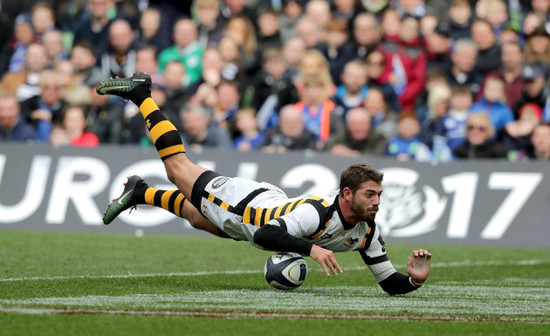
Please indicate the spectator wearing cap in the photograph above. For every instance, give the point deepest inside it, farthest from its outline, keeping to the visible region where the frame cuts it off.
(489, 55)
(534, 88)
(12, 126)
(537, 49)
(366, 34)
(510, 72)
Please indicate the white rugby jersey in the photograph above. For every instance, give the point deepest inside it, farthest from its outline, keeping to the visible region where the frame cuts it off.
(239, 207)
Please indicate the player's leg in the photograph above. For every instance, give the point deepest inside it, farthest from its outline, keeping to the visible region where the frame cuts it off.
(181, 171)
(137, 192)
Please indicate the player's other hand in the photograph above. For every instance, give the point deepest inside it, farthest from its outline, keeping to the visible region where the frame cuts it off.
(418, 265)
(326, 259)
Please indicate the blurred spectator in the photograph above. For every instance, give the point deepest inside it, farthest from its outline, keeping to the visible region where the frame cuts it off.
(149, 30)
(462, 70)
(128, 11)
(366, 34)
(454, 122)
(383, 119)
(377, 76)
(268, 30)
(497, 16)
(53, 41)
(434, 78)
(212, 66)
(293, 52)
(534, 88)
(531, 22)
(493, 102)
(146, 61)
(510, 73)
(250, 138)
(210, 22)
(414, 8)
(186, 49)
(46, 108)
(6, 27)
(460, 19)
(404, 145)
(408, 64)
(319, 12)
(59, 136)
(288, 18)
(119, 60)
(14, 54)
(438, 107)
(480, 142)
(230, 55)
(72, 89)
(510, 34)
(232, 8)
(176, 93)
(517, 135)
(106, 114)
(428, 23)
(291, 133)
(199, 132)
(353, 90)
(43, 18)
(317, 109)
(438, 47)
(229, 98)
(268, 86)
(488, 57)
(308, 31)
(76, 126)
(540, 141)
(345, 11)
(337, 51)
(375, 6)
(13, 127)
(357, 138)
(206, 96)
(313, 63)
(95, 27)
(537, 49)
(84, 60)
(241, 29)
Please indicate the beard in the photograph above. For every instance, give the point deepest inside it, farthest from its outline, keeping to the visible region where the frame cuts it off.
(362, 212)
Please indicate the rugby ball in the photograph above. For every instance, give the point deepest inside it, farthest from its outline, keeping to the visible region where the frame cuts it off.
(285, 270)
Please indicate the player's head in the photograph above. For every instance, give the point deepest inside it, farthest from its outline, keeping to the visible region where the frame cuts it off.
(353, 176)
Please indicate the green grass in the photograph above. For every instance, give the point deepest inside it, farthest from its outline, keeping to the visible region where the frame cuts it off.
(104, 284)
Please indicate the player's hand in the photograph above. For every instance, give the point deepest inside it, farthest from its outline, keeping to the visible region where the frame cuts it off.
(326, 259)
(418, 265)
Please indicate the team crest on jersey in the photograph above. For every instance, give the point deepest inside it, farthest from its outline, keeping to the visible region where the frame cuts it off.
(351, 241)
(407, 209)
(218, 182)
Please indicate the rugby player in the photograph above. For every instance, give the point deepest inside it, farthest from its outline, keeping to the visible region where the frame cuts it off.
(258, 212)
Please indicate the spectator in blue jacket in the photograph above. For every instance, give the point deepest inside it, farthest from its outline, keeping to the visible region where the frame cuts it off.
(493, 102)
(404, 145)
(12, 126)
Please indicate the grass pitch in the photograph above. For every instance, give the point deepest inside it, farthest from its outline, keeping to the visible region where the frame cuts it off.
(105, 284)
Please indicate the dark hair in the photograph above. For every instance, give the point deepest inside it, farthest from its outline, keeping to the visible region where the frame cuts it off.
(357, 173)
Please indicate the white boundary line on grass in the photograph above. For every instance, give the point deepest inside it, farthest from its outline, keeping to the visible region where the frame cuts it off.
(176, 274)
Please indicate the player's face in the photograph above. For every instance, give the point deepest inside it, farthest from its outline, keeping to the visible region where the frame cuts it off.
(366, 200)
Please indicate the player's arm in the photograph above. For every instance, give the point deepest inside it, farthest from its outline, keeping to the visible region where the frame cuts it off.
(392, 281)
(275, 236)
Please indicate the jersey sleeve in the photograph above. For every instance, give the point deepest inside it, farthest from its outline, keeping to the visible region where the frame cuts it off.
(301, 222)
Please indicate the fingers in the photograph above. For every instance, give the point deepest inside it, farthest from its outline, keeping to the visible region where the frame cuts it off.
(422, 253)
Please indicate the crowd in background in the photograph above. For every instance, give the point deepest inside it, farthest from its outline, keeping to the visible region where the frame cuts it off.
(428, 80)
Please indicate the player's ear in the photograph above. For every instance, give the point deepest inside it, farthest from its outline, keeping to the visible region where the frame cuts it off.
(347, 194)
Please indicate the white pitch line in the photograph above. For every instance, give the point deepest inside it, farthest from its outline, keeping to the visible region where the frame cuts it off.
(182, 274)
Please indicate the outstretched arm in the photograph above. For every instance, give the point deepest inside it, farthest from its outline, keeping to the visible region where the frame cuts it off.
(393, 282)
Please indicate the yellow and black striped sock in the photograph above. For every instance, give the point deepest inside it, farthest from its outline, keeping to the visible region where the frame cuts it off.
(163, 133)
(169, 200)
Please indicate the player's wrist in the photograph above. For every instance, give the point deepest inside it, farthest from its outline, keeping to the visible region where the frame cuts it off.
(415, 283)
